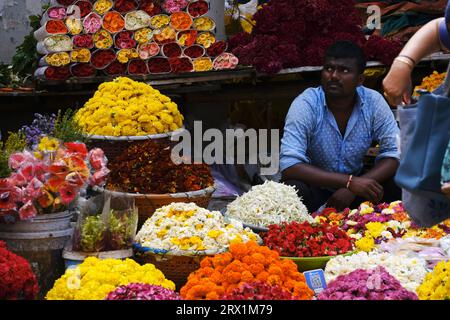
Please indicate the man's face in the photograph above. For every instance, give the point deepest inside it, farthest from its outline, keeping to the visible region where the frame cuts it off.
(340, 77)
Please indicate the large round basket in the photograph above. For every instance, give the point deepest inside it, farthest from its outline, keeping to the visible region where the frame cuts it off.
(115, 146)
(148, 203)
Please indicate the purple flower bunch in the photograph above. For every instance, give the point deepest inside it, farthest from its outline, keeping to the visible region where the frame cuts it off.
(140, 291)
(375, 284)
(41, 125)
(258, 290)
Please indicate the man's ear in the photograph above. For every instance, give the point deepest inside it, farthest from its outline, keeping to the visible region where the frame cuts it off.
(361, 79)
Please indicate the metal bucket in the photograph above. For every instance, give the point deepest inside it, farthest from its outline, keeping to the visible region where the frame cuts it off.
(41, 242)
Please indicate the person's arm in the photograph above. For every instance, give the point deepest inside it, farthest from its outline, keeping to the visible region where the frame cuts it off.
(315, 176)
(397, 83)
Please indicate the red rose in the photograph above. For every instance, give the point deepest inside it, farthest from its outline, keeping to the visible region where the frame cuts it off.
(83, 41)
(123, 6)
(137, 67)
(57, 73)
(102, 58)
(159, 65)
(198, 8)
(180, 65)
(116, 68)
(171, 50)
(124, 40)
(151, 7)
(85, 8)
(83, 70)
(217, 48)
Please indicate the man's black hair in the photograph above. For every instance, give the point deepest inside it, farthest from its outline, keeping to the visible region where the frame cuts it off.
(344, 49)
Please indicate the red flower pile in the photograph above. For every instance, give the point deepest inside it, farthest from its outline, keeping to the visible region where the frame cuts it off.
(217, 48)
(290, 33)
(258, 290)
(83, 70)
(180, 65)
(194, 51)
(171, 50)
(137, 67)
(198, 8)
(102, 58)
(151, 7)
(159, 65)
(124, 40)
(123, 6)
(307, 240)
(83, 41)
(57, 73)
(116, 68)
(17, 280)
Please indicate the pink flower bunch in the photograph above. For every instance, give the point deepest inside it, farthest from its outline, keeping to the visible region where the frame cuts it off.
(46, 183)
(258, 290)
(58, 13)
(375, 284)
(139, 291)
(172, 6)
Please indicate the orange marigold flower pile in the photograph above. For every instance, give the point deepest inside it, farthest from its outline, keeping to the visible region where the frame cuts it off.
(244, 263)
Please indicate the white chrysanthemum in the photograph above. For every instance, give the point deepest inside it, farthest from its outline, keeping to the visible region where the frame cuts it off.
(269, 203)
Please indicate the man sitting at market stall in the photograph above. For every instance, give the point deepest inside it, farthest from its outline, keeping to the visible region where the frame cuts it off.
(329, 130)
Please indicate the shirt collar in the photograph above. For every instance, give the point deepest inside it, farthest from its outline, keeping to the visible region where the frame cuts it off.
(360, 97)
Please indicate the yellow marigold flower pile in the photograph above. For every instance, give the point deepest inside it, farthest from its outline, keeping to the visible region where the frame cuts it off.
(430, 83)
(244, 263)
(95, 278)
(125, 107)
(436, 285)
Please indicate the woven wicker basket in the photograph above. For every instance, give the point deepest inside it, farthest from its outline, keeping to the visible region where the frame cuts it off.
(148, 203)
(115, 146)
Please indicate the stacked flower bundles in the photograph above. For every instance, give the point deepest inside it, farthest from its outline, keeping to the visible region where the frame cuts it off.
(244, 264)
(50, 179)
(273, 45)
(124, 107)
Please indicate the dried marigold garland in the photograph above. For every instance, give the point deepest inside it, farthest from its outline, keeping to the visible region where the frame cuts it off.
(147, 168)
(244, 263)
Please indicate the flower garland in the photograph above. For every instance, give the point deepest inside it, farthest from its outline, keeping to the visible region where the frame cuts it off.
(376, 284)
(436, 284)
(258, 290)
(94, 279)
(184, 228)
(17, 280)
(307, 240)
(244, 263)
(139, 291)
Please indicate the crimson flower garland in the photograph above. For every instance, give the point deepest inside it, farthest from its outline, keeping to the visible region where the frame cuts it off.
(258, 290)
(17, 280)
(307, 240)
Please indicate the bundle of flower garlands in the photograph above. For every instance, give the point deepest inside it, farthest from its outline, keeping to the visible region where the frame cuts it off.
(147, 168)
(373, 224)
(17, 280)
(124, 107)
(184, 228)
(139, 291)
(50, 179)
(269, 203)
(94, 279)
(376, 284)
(258, 290)
(273, 43)
(410, 271)
(436, 285)
(244, 263)
(430, 83)
(307, 240)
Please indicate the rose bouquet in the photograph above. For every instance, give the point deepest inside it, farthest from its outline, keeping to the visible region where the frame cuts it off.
(57, 73)
(180, 20)
(171, 6)
(258, 290)
(180, 65)
(103, 39)
(113, 22)
(159, 65)
(57, 13)
(124, 40)
(57, 59)
(103, 6)
(244, 263)
(116, 68)
(143, 35)
(436, 284)
(148, 50)
(159, 21)
(203, 64)
(152, 7)
(217, 49)
(82, 55)
(102, 58)
(206, 39)
(58, 43)
(125, 55)
(185, 228)
(124, 6)
(65, 2)
(85, 8)
(139, 291)
(204, 24)
(83, 70)
(17, 280)
(198, 8)
(171, 50)
(56, 27)
(225, 61)
(83, 41)
(75, 26)
(136, 20)
(307, 240)
(94, 279)
(137, 67)
(50, 179)
(165, 35)
(376, 284)
(187, 38)
(92, 23)
(194, 51)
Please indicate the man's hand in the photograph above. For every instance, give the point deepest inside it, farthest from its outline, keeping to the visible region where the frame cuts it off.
(366, 188)
(341, 199)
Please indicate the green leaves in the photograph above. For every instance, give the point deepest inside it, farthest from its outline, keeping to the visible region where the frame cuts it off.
(66, 128)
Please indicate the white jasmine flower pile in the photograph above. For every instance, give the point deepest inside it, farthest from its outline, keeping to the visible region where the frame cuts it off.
(410, 271)
(185, 228)
(269, 203)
